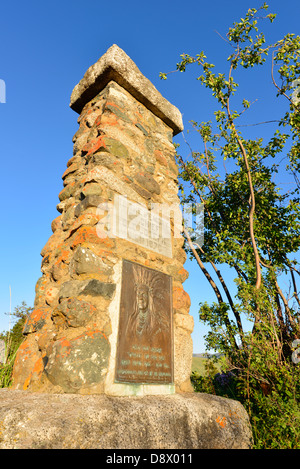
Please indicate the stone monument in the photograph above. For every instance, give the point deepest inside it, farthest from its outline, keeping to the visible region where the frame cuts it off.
(106, 359)
(110, 314)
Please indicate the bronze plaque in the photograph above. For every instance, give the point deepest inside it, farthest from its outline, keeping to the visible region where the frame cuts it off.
(145, 339)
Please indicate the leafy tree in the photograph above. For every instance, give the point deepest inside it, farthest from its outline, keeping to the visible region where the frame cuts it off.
(252, 227)
(13, 339)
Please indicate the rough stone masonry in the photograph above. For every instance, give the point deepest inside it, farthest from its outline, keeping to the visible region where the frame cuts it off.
(123, 153)
(107, 353)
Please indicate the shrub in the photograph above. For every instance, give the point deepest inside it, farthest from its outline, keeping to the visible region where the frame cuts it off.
(13, 340)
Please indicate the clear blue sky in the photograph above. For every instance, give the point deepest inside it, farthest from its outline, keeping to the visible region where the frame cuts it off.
(46, 47)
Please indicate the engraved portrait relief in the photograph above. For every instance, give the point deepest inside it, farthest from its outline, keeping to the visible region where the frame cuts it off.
(149, 314)
(144, 352)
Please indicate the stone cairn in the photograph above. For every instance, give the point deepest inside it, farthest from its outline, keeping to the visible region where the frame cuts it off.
(123, 148)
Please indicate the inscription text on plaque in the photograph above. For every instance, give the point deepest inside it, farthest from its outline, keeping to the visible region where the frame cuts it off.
(132, 221)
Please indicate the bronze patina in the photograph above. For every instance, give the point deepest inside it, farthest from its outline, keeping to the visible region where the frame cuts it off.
(145, 345)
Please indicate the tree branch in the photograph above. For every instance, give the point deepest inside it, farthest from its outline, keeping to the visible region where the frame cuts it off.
(212, 283)
(249, 177)
(274, 82)
(295, 286)
(229, 298)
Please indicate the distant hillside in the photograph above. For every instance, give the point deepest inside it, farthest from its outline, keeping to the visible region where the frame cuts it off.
(199, 359)
(207, 355)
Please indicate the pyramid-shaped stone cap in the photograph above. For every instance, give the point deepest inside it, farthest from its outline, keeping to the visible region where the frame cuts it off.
(116, 65)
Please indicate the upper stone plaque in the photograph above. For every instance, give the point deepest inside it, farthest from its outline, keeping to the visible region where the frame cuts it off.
(116, 65)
